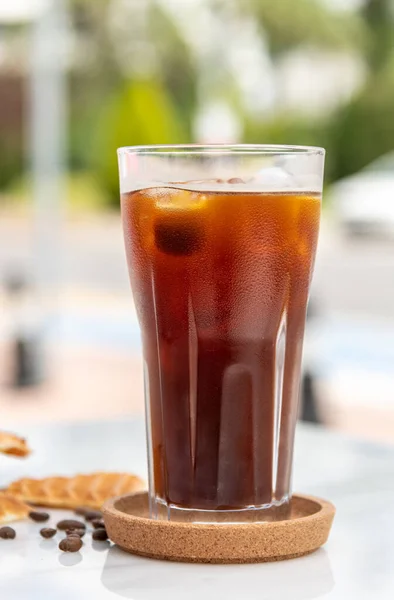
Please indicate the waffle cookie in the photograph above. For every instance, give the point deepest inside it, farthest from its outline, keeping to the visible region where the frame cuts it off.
(12, 444)
(12, 509)
(90, 491)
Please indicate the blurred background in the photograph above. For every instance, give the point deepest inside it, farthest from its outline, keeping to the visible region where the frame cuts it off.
(78, 78)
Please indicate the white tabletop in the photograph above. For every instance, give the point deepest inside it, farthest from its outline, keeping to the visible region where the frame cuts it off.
(356, 563)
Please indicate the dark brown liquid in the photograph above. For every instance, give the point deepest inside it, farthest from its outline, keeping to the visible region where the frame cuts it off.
(220, 282)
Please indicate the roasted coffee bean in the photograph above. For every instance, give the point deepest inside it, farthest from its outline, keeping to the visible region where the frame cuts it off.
(70, 524)
(7, 533)
(98, 523)
(235, 180)
(47, 532)
(38, 516)
(74, 536)
(78, 532)
(90, 515)
(100, 534)
(71, 543)
(82, 510)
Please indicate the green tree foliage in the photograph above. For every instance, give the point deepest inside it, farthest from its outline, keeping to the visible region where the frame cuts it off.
(379, 19)
(176, 66)
(361, 130)
(114, 102)
(364, 129)
(111, 109)
(11, 160)
(289, 23)
(142, 112)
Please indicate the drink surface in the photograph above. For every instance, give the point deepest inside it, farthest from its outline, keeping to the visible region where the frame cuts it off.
(220, 281)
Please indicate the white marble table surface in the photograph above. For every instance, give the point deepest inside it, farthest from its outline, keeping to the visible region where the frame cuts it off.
(357, 562)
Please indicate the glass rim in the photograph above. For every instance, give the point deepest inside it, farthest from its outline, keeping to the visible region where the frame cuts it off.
(215, 149)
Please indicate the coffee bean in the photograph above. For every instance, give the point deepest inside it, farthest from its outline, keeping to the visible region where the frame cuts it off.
(98, 523)
(79, 532)
(47, 532)
(38, 516)
(70, 524)
(71, 543)
(82, 510)
(7, 533)
(93, 514)
(100, 534)
(235, 180)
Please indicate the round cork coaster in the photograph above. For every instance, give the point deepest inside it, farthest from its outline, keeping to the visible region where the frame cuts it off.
(129, 526)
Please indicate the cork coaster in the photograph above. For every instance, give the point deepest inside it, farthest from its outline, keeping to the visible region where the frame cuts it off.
(129, 526)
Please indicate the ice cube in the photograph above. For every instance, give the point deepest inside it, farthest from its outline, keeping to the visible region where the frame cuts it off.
(179, 222)
(178, 237)
(178, 199)
(274, 179)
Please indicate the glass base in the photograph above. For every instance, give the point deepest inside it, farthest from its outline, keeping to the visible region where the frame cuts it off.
(276, 511)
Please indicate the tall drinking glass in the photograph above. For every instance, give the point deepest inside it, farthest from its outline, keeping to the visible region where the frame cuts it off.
(220, 243)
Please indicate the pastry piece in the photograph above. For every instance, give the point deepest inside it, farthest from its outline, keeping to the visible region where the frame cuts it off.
(71, 492)
(12, 444)
(12, 509)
